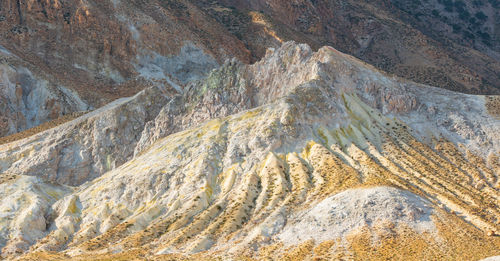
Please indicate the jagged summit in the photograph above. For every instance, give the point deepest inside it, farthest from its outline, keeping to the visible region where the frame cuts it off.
(236, 163)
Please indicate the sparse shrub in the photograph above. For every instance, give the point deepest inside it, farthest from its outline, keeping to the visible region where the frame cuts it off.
(477, 3)
(481, 16)
(464, 15)
(485, 37)
(468, 34)
(448, 5)
(456, 28)
(460, 5)
(495, 3)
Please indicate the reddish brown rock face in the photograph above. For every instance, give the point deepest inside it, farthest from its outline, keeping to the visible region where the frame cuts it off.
(92, 45)
(97, 48)
(100, 48)
(107, 35)
(410, 42)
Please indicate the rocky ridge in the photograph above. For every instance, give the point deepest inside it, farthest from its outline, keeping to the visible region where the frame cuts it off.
(60, 57)
(70, 56)
(231, 164)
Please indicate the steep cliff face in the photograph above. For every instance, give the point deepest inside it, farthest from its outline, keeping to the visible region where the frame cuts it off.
(28, 99)
(94, 51)
(301, 155)
(100, 41)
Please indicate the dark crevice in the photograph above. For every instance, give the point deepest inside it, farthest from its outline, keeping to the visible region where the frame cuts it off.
(21, 20)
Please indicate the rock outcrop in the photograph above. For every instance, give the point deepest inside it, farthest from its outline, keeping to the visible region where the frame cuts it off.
(83, 55)
(86, 147)
(78, 56)
(27, 100)
(439, 43)
(244, 162)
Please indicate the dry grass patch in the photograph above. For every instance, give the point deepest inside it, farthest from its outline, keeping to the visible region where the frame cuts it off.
(493, 105)
(42, 127)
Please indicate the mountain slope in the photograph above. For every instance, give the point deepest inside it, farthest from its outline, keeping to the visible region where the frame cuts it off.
(99, 51)
(400, 37)
(240, 163)
(60, 57)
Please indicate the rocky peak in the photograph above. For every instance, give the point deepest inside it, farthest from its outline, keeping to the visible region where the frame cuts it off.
(234, 163)
(92, 52)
